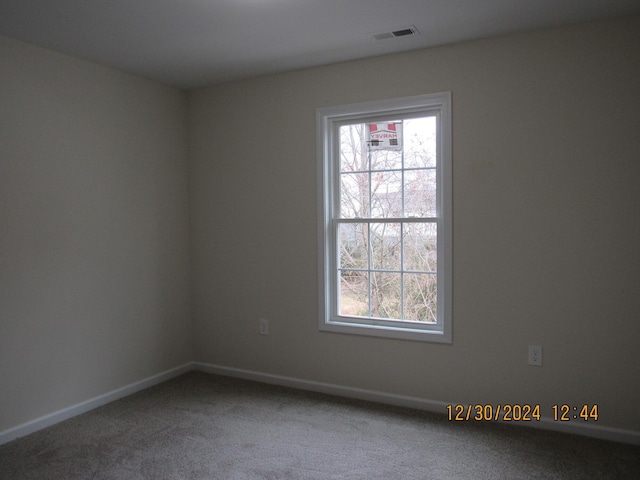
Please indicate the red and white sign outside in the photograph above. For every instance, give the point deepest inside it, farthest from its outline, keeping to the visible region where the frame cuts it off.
(384, 136)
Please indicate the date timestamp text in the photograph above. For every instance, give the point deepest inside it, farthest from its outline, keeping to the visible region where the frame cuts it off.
(519, 412)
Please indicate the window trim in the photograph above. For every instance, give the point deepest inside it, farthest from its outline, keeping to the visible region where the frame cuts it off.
(328, 120)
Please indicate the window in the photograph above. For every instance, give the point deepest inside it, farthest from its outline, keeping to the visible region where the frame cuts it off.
(385, 218)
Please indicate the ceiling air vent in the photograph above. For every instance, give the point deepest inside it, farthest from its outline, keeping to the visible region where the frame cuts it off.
(401, 32)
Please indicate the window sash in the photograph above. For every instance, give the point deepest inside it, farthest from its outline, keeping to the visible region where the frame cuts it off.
(336, 269)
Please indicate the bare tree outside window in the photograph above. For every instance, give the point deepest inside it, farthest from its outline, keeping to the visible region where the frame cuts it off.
(387, 232)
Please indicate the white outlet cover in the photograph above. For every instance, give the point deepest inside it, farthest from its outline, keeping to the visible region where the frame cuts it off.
(264, 326)
(535, 355)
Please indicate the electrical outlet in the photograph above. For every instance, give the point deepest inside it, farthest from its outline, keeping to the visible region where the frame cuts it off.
(535, 355)
(264, 326)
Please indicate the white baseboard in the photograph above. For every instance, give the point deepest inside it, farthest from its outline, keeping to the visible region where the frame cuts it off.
(329, 388)
(82, 407)
(545, 423)
(585, 429)
(590, 430)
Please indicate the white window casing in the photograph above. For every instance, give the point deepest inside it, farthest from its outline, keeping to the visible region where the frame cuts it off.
(332, 179)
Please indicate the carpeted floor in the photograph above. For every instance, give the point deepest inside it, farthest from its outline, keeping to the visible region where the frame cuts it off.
(201, 426)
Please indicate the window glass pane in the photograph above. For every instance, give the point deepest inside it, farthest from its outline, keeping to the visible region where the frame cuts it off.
(353, 293)
(420, 142)
(353, 239)
(353, 151)
(420, 193)
(420, 247)
(385, 295)
(354, 195)
(420, 297)
(386, 194)
(385, 246)
(386, 159)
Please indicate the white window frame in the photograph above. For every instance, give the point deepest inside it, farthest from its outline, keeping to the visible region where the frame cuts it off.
(328, 121)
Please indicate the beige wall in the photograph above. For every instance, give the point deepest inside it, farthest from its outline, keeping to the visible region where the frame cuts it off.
(94, 280)
(546, 156)
(94, 260)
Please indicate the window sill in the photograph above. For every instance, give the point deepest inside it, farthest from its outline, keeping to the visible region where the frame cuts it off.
(402, 332)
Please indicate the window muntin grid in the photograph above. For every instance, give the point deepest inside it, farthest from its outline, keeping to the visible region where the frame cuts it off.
(386, 226)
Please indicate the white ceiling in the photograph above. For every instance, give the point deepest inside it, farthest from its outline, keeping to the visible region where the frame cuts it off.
(193, 43)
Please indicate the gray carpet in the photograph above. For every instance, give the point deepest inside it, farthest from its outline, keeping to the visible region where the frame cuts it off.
(201, 426)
